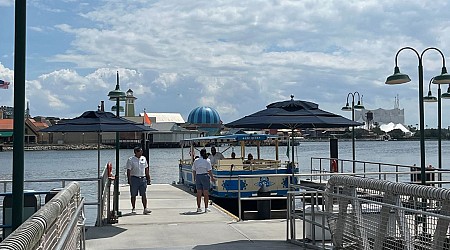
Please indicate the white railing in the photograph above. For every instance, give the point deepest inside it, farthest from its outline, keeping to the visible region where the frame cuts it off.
(374, 214)
(59, 224)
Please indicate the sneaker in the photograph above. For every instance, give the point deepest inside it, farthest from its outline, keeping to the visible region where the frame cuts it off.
(133, 211)
(207, 210)
(147, 211)
(199, 210)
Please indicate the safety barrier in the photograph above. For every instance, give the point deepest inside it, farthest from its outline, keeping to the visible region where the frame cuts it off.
(366, 213)
(59, 224)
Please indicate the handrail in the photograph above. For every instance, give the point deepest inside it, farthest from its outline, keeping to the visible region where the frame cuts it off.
(37, 230)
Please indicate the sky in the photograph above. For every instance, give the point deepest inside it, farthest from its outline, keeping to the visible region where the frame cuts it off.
(234, 56)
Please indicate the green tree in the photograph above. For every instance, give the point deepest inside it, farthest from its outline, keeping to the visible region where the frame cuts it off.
(396, 134)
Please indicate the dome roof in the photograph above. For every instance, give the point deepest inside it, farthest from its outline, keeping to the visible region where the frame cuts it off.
(204, 115)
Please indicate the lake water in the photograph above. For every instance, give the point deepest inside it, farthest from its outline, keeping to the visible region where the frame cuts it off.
(164, 162)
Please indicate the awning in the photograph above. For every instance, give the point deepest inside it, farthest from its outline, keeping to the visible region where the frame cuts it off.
(6, 134)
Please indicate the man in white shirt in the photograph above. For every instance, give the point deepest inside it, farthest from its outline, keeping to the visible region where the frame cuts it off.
(215, 156)
(138, 177)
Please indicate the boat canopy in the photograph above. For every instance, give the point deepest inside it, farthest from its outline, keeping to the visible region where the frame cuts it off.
(230, 138)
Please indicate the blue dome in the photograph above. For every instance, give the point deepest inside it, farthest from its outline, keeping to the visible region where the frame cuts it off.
(204, 115)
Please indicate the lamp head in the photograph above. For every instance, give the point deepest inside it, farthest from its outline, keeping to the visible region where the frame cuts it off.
(443, 78)
(347, 107)
(397, 77)
(114, 108)
(429, 97)
(359, 105)
(446, 95)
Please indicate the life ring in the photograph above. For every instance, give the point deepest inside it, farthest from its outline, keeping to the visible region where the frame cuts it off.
(334, 166)
(109, 168)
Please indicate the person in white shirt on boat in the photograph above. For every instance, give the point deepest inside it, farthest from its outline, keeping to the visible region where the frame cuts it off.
(215, 156)
(202, 172)
(138, 177)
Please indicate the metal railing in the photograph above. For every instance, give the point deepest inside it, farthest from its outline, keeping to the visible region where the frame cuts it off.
(439, 177)
(102, 195)
(256, 198)
(378, 214)
(59, 224)
(305, 203)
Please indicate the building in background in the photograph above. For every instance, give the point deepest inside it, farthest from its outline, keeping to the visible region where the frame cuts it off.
(382, 116)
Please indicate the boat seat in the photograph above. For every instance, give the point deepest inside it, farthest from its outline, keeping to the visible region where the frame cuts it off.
(225, 164)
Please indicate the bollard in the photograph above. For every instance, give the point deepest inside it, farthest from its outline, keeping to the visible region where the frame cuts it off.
(263, 206)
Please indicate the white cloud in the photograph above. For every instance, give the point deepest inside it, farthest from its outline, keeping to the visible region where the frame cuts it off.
(236, 56)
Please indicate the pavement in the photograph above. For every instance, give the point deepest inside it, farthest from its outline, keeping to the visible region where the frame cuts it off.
(175, 224)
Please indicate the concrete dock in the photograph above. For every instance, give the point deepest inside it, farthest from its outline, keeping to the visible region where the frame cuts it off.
(175, 224)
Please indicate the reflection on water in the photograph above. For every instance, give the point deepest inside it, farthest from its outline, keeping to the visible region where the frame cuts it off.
(164, 162)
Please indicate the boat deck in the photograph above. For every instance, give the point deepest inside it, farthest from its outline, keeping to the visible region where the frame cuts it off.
(175, 224)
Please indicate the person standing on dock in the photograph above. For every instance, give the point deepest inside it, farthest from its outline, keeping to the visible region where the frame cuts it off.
(200, 170)
(138, 177)
(215, 156)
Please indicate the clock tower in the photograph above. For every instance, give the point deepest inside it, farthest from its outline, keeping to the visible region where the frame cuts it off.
(129, 104)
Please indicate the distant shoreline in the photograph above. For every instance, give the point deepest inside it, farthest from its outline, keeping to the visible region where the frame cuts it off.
(58, 147)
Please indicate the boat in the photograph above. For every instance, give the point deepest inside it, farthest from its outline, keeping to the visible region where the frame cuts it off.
(271, 174)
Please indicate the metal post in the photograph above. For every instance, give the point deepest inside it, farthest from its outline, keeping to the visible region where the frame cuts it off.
(353, 133)
(116, 177)
(422, 125)
(19, 112)
(439, 128)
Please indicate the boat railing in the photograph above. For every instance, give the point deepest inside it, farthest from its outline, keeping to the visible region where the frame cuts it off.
(59, 224)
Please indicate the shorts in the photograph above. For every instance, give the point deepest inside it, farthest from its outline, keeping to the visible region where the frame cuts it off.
(202, 182)
(138, 185)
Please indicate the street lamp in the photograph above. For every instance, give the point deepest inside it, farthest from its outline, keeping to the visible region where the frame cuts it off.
(116, 95)
(352, 108)
(399, 78)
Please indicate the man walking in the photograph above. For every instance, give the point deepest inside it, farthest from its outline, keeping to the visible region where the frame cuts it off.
(138, 177)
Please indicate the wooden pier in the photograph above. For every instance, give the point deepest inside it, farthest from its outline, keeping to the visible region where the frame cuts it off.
(175, 224)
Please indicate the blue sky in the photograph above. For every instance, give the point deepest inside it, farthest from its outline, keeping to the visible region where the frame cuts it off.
(235, 56)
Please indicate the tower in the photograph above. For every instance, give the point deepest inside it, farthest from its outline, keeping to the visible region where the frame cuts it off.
(129, 104)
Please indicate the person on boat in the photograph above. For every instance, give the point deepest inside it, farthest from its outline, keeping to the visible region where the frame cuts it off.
(202, 172)
(215, 156)
(138, 177)
(233, 155)
(249, 159)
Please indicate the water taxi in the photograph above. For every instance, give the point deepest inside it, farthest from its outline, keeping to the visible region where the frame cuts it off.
(252, 173)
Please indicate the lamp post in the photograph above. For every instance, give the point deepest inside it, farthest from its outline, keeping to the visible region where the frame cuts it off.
(430, 98)
(116, 95)
(399, 78)
(352, 108)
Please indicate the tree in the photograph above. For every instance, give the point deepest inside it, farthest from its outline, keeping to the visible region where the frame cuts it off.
(396, 134)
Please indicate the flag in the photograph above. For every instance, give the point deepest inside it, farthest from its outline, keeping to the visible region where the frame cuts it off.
(147, 119)
(4, 84)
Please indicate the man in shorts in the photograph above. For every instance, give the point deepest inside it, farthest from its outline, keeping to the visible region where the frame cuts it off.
(138, 177)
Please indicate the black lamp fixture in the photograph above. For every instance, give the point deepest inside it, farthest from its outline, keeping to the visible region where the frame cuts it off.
(430, 97)
(352, 108)
(443, 78)
(117, 95)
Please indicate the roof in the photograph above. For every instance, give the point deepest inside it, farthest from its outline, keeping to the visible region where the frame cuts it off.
(391, 126)
(231, 138)
(6, 124)
(165, 117)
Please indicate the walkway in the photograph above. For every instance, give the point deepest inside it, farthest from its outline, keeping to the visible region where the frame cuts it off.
(174, 224)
